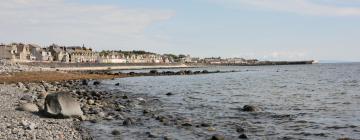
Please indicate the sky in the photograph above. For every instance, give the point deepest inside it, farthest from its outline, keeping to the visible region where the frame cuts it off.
(262, 29)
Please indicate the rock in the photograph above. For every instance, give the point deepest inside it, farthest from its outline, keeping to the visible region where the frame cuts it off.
(186, 124)
(28, 125)
(21, 85)
(211, 129)
(90, 102)
(27, 98)
(128, 122)
(97, 83)
(153, 72)
(115, 132)
(42, 95)
(63, 105)
(205, 71)
(240, 129)
(205, 125)
(150, 135)
(85, 82)
(243, 136)
(102, 114)
(29, 107)
(250, 108)
(218, 137)
(117, 84)
(167, 138)
(169, 94)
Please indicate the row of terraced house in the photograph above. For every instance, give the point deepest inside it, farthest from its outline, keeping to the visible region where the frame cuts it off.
(20, 52)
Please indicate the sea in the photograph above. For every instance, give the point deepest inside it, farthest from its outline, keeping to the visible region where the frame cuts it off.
(318, 101)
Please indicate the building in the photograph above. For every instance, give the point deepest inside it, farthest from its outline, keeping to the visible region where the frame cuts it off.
(40, 54)
(8, 52)
(82, 54)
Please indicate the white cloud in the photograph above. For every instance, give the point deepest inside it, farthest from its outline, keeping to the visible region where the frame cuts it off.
(303, 7)
(60, 21)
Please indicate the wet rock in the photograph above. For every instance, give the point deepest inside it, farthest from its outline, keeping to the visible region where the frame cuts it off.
(97, 83)
(211, 129)
(205, 71)
(167, 138)
(85, 82)
(62, 105)
(125, 97)
(128, 122)
(115, 132)
(93, 121)
(29, 107)
(169, 94)
(243, 136)
(186, 124)
(117, 84)
(250, 108)
(239, 129)
(205, 125)
(102, 114)
(218, 137)
(153, 72)
(151, 135)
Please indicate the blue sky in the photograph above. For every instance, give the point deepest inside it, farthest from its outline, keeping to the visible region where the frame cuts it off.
(268, 30)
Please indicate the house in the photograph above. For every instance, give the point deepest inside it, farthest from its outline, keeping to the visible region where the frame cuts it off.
(23, 52)
(112, 57)
(8, 52)
(40, 54)
(58, 53)
(82, 54)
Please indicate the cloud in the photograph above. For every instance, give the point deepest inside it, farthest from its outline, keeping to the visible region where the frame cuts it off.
(302, 7)
(44, 21)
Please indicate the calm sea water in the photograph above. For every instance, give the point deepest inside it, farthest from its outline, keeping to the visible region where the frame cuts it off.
(320, 101)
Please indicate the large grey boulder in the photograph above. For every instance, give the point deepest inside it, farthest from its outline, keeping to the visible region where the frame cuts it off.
(62, 105)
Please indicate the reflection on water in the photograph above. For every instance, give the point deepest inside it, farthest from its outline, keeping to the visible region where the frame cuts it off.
(300, 102)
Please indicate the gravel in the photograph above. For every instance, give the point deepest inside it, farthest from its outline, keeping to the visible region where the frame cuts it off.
(15, 124)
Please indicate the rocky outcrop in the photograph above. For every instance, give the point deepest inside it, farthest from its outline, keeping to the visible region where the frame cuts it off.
(62, 105)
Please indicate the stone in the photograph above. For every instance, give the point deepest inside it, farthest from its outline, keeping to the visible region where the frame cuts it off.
(29, 107)
(101, 114)
(97, 83)
(250, 108)
(85, 82)
(42, 95)
(21, 85)
(117, 84)
(90, 102)
(128, 122)
(243, 136)
(62, 104)
(27, 98)
(115, 132)
(211, 129)
(218, 137)
(169, 94)
(240, 129)
(153, 72)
